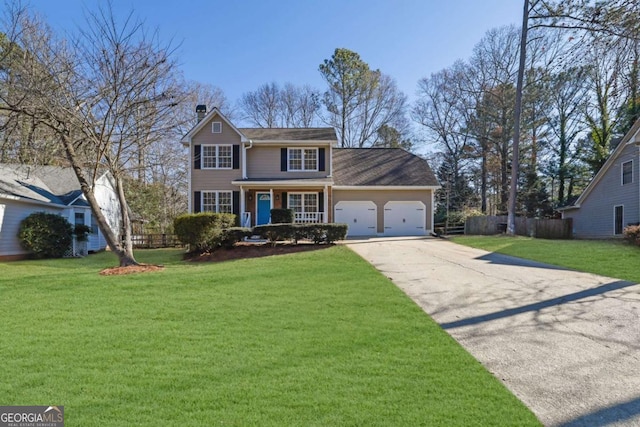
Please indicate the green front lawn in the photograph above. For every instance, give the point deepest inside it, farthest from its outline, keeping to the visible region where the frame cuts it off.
(314, 338)
(605, 257)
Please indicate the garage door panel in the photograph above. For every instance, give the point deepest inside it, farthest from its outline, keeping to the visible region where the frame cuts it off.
(404, 218)
(360, 216)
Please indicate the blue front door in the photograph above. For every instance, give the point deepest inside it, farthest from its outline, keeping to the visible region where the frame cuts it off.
(264, 208)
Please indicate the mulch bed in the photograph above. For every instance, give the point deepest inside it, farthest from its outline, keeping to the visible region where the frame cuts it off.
(142, 268)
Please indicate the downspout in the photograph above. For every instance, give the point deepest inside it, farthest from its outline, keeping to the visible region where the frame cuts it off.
(244, 158)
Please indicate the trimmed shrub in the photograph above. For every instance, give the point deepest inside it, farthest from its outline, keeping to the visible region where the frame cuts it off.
(282, 216)
(317, 233)
(275, 232)
(233, 235)
(631, 234)
(336, 232)
(45, 235)
(203, 232)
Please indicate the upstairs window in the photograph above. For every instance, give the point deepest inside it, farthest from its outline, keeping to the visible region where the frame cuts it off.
(302, 159)
(627, 172)
(217, 157)
(216, 127)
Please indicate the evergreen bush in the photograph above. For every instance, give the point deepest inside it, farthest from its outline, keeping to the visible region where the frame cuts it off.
(45, 235)
(203, 232)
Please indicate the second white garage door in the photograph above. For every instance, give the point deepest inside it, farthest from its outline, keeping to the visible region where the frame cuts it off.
(404, 218)
(360, 216)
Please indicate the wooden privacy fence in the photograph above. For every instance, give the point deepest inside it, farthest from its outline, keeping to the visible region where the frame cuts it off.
(150, 241)
(540, 228)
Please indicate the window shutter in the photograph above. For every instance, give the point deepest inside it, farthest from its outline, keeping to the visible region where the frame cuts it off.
(283, 159)
(196, 202)
(235, 207)
(197, 149)
(284, 199)
(321, 201)
(321, 167)
(236, 156)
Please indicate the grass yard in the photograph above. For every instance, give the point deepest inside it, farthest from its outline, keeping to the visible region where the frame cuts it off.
(605, 257)
(310, 339)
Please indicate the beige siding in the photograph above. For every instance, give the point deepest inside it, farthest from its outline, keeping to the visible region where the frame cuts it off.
(264, 162)
(215, 179)
(381, 197)
(205, 136)
(211, 179)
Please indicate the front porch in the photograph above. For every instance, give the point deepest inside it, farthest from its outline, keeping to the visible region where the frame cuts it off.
(309, 204)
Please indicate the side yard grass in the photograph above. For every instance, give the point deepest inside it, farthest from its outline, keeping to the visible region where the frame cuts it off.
(310, 339)
(610, 258)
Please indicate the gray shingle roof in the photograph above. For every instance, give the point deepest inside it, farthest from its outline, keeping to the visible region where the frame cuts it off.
(380, 167)
(52, 184)
(290, 134)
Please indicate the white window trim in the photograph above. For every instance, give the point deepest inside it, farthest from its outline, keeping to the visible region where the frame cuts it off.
(213, 127)
(302, 149)
(622, 172)
(217, 148)
(217, 204)
(302, 193)
(614, 220)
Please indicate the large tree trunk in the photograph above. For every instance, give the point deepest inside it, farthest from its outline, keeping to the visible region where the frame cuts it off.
(125, 257)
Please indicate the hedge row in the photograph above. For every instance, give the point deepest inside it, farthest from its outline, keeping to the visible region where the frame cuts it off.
(317, 233)
(205, 232)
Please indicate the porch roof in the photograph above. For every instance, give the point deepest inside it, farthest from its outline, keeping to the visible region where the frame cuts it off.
(283, 183)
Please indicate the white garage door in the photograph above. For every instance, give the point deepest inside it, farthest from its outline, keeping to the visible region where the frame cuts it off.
(404, 218)
(360, 216)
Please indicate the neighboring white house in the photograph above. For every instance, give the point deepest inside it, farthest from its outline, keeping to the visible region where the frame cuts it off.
(27, 189)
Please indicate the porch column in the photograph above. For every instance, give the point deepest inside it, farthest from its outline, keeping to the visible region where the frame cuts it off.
(271, 198)
(242, 206)
(327, 208)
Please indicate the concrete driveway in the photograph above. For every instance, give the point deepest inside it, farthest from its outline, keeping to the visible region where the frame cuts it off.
(566, 343)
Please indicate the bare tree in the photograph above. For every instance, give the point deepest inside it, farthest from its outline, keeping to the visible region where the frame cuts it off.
(92, 91)
(262, 107)
(272, 106)
(441, 111)
(299, 106)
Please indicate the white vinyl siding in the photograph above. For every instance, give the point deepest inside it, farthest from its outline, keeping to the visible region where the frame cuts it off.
(217, 201)
(217, 156)
(302, 159)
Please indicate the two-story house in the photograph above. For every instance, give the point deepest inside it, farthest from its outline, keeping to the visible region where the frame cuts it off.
(249, 171)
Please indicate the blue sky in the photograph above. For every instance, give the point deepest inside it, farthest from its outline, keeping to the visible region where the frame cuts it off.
(239, 45)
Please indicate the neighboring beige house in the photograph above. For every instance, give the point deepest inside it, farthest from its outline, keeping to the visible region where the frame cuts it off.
(249, 171)
(27, 189)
